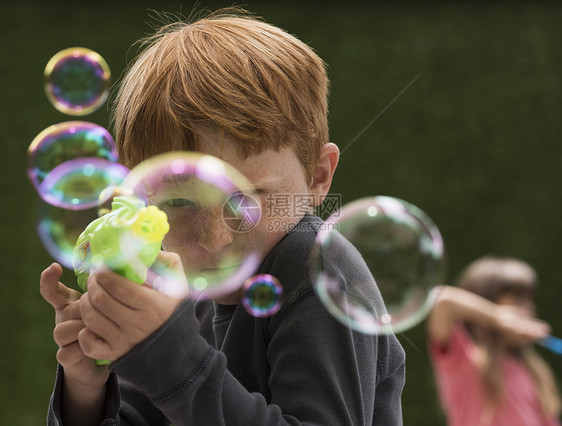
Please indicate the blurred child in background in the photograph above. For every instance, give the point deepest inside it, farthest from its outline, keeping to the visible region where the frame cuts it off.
(481, 335)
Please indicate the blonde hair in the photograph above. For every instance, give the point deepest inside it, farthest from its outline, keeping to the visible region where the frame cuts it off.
(491, 277)
(250, 79)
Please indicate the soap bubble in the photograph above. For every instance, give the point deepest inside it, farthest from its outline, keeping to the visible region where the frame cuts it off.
(402, 248)
(262, 295)
(77, 81)
(77, 184)
(65, 141)
(107, 195)
(212, 211)
(59, 228)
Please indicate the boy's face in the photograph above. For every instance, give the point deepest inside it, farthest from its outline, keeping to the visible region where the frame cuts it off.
(283, 192)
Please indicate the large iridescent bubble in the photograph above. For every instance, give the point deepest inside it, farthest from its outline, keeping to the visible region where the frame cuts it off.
(402, 248)
(65, 141)
(77, 81)
(212, 211)
(70, 163)
(59, 229)
(77, 184)
(107, 195)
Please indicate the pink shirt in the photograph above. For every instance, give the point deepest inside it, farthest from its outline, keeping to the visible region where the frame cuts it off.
(462, 394)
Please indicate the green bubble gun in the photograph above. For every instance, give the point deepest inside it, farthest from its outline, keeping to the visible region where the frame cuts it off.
(127, 240)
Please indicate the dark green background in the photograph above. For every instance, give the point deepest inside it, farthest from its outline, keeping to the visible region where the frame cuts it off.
(474, 142)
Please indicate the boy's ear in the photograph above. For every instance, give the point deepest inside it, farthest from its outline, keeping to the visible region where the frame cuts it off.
(324, 171)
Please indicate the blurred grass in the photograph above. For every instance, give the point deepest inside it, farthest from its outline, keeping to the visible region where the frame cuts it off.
(474, 141)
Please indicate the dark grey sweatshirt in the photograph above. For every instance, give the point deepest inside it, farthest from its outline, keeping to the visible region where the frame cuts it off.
(214, 365)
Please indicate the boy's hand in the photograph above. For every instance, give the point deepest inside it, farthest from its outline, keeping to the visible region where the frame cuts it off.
(78, 368)
(119, 314)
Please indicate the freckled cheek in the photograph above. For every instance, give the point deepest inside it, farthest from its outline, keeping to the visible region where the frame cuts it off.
(181, 243)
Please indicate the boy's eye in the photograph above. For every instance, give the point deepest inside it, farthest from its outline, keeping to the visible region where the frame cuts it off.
(178, 202)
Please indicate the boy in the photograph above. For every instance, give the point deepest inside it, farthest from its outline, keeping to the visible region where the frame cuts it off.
(256, 97)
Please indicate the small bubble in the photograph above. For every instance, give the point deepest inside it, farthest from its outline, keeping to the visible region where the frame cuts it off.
(77, 81)
(262, 295)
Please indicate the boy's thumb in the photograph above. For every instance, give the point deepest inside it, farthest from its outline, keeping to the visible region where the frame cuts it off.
(55, 292)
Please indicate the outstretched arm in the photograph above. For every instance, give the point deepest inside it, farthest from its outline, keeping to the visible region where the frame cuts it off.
(454, 304)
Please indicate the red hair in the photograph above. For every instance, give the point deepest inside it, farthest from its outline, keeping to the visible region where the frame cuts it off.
(250, 79)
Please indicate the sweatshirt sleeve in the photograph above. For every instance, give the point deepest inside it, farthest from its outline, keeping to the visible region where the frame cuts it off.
(318, 370)
(188, 381)
(112, 398)
(326, 373)
(125, 404)
(146, 386)
(313, 378)
(323, 371)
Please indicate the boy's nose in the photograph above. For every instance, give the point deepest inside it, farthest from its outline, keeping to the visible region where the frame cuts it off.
(215, 234)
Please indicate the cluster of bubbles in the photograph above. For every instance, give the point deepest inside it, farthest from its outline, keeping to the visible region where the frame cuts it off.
(402, 248)
(70, 163)
(74, 167)
(212, 211)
